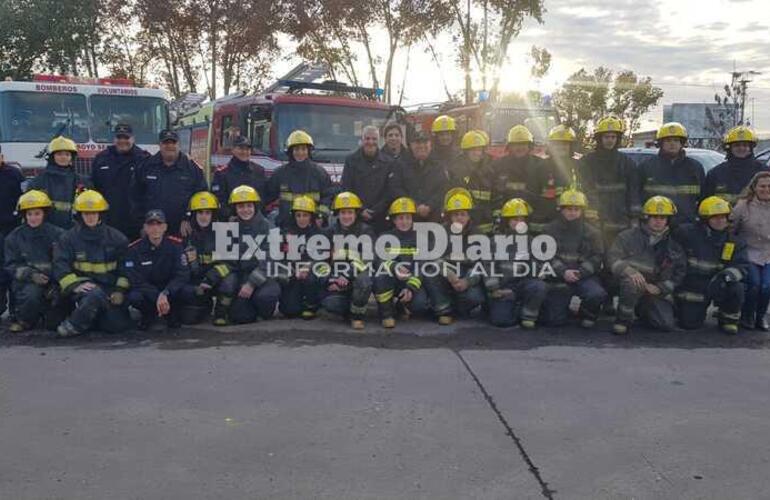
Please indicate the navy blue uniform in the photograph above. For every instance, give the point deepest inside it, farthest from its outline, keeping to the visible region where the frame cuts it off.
(10, 190)
(730, 177)
(111, 173)
(299, 178)
(62, 184)
(168, 188)
(236, 173)
(680, 179)
(426, 182)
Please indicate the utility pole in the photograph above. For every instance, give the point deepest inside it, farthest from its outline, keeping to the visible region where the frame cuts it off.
(743, 79)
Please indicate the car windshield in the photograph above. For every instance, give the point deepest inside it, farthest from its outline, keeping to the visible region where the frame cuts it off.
(146, 115)
(336, 130)
(38, 117)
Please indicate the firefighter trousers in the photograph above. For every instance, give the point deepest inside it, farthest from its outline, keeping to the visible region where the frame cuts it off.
(446, 301)
(525, 303)
(93, 310)
(352, 302)
(556, 307)
(386, 291)
(655, 311)
(261, 304)
(692, 305)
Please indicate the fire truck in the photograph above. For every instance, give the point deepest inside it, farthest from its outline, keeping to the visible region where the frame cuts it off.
(334, 114)
(85, 110)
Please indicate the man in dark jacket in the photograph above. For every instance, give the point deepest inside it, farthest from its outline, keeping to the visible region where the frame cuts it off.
(444, 140)
(111, 173)
(166, 181)
(512, 171)
(730, 177)
(239, 171)
(11, 179)
(366, 174)
(673, 174)
(473, 171)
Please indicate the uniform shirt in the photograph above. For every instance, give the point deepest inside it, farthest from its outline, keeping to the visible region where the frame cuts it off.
(236, 173)
(62, 184)
(158, 269)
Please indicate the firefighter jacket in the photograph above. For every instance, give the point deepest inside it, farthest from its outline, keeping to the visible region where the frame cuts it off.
(94, 254)
(579, 247)
(547, 182)
(611, 183)
(299, 178)
(479, 179)
(250, 268)
(29, 250)
(657, 257)
(236, 173)
(403, 256)
(199, 248)
(680, 179)
(62, 184)
(730, 177)
(424, 181)
(157, 269)
(111, 173)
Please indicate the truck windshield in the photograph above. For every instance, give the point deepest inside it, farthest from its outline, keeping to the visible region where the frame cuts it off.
(146, 115)
(336, 130)
(38, 117)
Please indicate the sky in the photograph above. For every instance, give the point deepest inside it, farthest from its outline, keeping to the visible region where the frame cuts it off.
(688, 47)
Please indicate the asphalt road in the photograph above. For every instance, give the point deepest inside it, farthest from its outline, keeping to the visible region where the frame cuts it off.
(291, 409)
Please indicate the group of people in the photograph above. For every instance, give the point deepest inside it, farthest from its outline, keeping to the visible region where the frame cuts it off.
(661, 237)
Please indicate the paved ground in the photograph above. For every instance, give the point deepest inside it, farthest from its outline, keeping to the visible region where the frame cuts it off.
(291, 409)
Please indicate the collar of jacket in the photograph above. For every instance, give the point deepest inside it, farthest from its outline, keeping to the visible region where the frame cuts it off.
(91, 233)
(55, 169)
(236, 163)
(673, 160)
(655, 238)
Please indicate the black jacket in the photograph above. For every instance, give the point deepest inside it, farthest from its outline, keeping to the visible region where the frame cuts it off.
(111, 173)
(62, 184)
(579, 248)
(728, 179)
(709, 252)
(236, 173)
(512, 178)
(299, 178)
(157, 269)
(547, 181)
(10, 190)
(168, 188)
(426, 182)
(29, 250)
(611, 183)
(479, 179)
(368, 178)
(680, 179)
(252, 270)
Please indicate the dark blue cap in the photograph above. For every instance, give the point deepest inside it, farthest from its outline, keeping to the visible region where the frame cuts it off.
(155, 215)
(241, 142)
(124, 129)
(168, 135)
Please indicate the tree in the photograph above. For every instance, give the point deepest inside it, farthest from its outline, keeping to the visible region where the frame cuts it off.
(587, 97)
(729, 111)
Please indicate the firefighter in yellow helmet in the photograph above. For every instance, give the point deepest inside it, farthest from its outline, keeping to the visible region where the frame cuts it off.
(29, 262)
(211, 279)
(513, 171)
(257, 293)
(514, 296)
(398, 287)
(673, 174)
(649, 265)
(578, 259)
(350, 285)
(299, 176)
(730, 177)
(60, 180)
(89, 265)
(473, 171)
(717, 265)
(444, 130)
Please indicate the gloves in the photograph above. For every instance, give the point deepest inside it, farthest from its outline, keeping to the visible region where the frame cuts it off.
(117, 298)
(39, 279)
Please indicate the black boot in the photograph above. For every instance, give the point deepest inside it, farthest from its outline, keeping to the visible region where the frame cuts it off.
(747, 321)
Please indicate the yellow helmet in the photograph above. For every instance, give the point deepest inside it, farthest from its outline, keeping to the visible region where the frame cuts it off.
(659, 205)
(298, 138)
(516, 207)
(347, 200)
(34, 199)
(203, 200)
(90, 201)
(609, 124)
(519, 134)
(484, 133)
(473, 139)
(741, 133)
(62, 143)
(713, 205)
(458, 201)
(244, 194)
(573, 198)
(443, 123)
(303, 203)
(402, 205)
(562, 133)
(672, 129)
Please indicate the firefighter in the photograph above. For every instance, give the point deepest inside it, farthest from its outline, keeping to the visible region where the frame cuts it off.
(111, 172)
(166, 181)
(239, 171)
(60, 181)
(552, 177)
(444, 131)
(29, 261)
(457, 289)
(394, 147)
(673, 174)
(398, 287)
(717, 264)
(730, 177)
(513, 171)
(348, 292)
(649, 265)
(576, 264)
(366, 174)
(473, 171)
(300, 176)
(211, 279)
(11, 180)
(513, 298)
(89, 266)
(257, 293)
(421, 178)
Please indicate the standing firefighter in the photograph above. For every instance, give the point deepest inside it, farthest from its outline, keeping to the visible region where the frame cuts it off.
(578, 259)
(673, 174)
(29, 261)
(444, 131)
(60, 181)
(300, 176)
(513, 171)
(11, 180)
(89, 265)
(473, 171)
(730, 177)
(211, 279)
(348, 292)
(239, 171)
(649, 265)
(397, 286)
(717, 263)
(513, 297)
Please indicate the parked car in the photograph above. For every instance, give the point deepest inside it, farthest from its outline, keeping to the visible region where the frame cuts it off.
(764, 157)
(706, 157)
